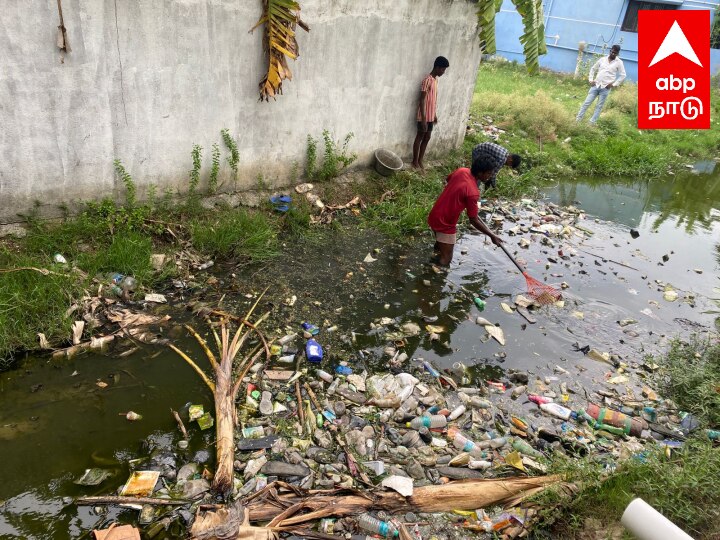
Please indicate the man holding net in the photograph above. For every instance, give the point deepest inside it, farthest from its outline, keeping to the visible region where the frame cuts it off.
(461, 193)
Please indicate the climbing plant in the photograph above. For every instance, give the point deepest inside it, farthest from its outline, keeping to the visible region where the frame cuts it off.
(280, 18)
(533, 37)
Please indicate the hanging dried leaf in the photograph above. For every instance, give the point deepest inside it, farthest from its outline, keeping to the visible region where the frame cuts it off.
(280, 18)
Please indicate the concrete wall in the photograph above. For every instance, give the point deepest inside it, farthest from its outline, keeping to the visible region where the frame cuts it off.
(568, 22)
(148, 79)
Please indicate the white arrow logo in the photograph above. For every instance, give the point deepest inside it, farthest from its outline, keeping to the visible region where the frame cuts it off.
(675, 42)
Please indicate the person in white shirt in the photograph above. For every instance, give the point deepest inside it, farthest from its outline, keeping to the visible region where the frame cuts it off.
(606, 73)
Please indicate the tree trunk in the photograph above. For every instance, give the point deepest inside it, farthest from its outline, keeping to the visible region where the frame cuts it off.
(225, 430)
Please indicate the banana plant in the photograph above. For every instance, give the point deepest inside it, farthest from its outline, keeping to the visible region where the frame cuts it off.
(280, 17)
(533, 37)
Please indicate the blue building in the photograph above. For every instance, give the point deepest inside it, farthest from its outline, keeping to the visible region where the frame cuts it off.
(598, 24)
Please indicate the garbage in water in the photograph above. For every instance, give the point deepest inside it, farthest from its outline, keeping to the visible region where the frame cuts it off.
(405, 425)
(117, 532)
(140, 483)
(93, 477)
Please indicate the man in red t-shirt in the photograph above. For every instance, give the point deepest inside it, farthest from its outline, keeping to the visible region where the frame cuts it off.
(427, 110)
(461, 193)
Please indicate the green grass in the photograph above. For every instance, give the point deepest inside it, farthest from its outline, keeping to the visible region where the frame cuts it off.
(538, 114)
(236, 233)
(682, 487)
(690, 376)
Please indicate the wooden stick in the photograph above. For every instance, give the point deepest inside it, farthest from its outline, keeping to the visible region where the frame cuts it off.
(313, 398)
(90, 501)
(606, 259)
(301, 412)
(180, 423)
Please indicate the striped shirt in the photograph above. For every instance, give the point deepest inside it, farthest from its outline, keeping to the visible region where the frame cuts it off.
(429, 85)
(497, 153)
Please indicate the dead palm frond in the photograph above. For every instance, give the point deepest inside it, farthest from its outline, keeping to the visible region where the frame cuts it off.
(280, 18)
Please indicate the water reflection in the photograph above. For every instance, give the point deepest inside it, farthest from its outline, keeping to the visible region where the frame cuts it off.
(692, 201)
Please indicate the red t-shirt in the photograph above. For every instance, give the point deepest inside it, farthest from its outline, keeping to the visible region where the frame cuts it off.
(460, 193)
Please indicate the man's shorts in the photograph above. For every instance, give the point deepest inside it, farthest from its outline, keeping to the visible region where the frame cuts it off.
(429, 126)
(445, 238)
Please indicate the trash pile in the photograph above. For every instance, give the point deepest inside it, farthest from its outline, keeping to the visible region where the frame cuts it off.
(329, 449)
(318, 428)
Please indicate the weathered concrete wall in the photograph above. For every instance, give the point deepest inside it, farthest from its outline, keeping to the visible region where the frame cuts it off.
(148, 79)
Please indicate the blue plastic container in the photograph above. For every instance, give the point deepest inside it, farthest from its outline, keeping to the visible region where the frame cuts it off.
(313, 351)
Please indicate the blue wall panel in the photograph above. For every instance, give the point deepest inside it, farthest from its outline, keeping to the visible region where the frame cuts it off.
(568, 22)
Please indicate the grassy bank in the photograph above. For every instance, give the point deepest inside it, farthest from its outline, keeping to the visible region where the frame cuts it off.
(681, 485)
(538, 114)
(36, 293)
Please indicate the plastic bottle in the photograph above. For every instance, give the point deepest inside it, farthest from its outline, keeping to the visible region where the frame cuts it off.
(631, 426)
(313, 351)
(324, 375)
(266, 406)
(556, 410)
(539, 400)
(374, 525)
(314, 330)
(476, 402)
(498, 443)
(333, 386)
(461, 442)
(524, 448)
(480, 303)
(457, 413)
(434, 421)
(428, 366)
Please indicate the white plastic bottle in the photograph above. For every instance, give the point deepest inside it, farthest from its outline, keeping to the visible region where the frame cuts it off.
(461, 442)
(457, 413)
(434, 421)
(556, 410)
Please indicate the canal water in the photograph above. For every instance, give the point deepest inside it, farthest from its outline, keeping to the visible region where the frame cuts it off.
(56, 421)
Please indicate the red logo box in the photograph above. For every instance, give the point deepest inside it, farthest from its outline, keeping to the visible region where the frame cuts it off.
(674, 69)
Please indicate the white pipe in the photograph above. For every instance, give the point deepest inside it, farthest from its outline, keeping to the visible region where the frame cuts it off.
(646, 523)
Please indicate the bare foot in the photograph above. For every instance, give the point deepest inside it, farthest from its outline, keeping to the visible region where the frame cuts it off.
(414, 165)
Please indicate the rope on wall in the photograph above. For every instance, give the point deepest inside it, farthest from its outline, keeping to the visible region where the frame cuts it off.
(61, 40)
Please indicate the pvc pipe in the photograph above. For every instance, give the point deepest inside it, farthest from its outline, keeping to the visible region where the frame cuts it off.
(646, 523)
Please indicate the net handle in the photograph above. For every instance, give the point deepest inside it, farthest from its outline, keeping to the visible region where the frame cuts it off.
(522, 270)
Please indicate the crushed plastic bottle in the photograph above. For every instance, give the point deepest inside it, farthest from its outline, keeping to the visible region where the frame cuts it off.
(374, 525)
(324, 375)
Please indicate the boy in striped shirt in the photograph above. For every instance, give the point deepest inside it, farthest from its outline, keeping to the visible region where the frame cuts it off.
(427, 110)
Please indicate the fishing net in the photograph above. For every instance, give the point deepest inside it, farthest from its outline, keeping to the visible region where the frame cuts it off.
(542, 294)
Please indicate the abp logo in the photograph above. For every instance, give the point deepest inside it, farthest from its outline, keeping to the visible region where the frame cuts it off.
(674, 69)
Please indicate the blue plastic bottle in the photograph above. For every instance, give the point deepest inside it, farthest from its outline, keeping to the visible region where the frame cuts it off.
(313, 351)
